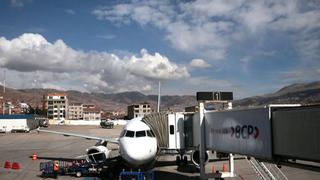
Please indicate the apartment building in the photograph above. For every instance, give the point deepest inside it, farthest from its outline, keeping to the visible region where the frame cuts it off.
(90, 112)
(139, 110)
(75, 111)
(57, 106)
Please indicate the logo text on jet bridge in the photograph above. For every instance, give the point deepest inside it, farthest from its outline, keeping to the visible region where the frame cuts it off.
(239, 131)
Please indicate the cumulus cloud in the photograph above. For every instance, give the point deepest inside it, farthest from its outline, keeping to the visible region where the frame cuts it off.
(58, 64)
(156, 67)
(208, 28)
(199, 63)
(180, 34)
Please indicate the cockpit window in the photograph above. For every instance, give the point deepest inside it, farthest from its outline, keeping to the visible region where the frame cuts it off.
(140, 133)
(150, 133)
(129, 134)
(123, 133)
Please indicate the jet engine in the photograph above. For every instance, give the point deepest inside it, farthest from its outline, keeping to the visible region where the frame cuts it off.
(98, 154)
(195, 157)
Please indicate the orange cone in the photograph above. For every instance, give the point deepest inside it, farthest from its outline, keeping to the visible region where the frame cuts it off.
(224, 167)
(213, 169)
(34, 156)
(15, 166)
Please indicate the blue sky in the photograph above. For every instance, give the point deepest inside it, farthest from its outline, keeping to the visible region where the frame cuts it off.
(248, 47)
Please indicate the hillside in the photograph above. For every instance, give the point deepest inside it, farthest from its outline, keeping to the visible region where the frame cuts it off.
(304, 93)
(107, 102)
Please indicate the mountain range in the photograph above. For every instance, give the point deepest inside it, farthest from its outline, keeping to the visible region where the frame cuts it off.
(300, 93)
(303, 93)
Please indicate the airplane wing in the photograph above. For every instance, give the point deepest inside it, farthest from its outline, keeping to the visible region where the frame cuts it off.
(111, 140)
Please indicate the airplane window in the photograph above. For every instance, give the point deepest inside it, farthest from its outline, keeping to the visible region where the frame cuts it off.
(150, 133)
(130, 134)
(123, 133)
(140, 133)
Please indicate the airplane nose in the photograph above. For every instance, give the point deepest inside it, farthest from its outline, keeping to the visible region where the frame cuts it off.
(138, 153)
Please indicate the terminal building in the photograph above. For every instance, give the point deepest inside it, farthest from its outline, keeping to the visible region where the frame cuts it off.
(139, 110)
(57, 105)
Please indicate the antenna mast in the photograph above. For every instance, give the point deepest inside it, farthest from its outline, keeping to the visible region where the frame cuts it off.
(159, 96)
(4, 91)
(4, 83)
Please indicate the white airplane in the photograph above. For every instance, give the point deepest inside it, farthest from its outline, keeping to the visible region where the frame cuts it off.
(137, 145)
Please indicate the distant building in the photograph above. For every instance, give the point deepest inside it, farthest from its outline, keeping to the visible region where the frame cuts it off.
(75, 111)
(138, 110)
(113, 114)
(57, 106)
(89, 106)
(90, 112)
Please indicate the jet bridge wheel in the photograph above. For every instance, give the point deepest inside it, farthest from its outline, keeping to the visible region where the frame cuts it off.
(185, 160)
(178, 160)
(182, 160)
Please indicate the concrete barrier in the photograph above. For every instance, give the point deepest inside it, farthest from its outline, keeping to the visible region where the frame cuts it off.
(84, 122)
(120, 122)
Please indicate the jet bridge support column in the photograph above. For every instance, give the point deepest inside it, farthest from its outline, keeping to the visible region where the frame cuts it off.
(202, 148)
(231, 165)
(202, 97)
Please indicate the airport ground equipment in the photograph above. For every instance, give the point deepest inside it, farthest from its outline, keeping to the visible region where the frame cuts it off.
(107, 124)
(18, 123)
(138, 175)
(158, 122)
(43, 121)
(271, 133)
(75, 168)
(169, 129)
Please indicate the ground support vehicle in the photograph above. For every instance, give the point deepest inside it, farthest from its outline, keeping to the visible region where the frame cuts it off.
(107, 124)
(74, 168)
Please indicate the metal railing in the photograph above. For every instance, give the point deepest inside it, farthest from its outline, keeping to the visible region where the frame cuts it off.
(266, 171)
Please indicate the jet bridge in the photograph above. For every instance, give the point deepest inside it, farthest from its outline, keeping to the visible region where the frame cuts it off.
(274, 133)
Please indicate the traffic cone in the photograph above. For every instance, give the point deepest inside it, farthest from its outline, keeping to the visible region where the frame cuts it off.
(224, 167)
(7, 165)
(213, 169)
(34, 156)
(15, 166)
